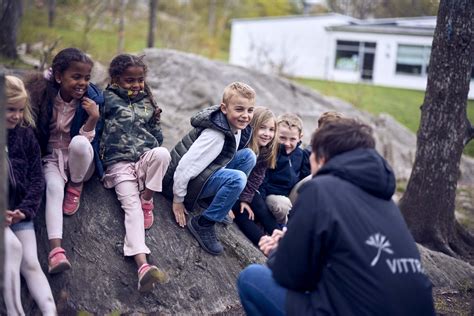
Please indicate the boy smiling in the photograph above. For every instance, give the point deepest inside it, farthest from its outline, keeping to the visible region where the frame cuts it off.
(211, 162)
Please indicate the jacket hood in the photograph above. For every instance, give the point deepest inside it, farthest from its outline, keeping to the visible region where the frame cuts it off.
(364, 168)
(211, 117)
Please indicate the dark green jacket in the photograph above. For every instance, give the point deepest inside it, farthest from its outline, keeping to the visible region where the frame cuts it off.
(130, 127)
(211, 117)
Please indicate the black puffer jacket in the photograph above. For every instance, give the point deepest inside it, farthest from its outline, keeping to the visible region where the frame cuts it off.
(211, 117)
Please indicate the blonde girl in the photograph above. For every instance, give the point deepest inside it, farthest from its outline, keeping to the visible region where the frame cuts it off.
(251, 208)
(26, 186)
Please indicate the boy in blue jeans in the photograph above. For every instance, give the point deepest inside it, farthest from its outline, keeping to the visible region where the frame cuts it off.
(211, 161)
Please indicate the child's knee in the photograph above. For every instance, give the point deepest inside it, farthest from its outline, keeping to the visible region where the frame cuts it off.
(239, 179)
(161, 154)
(80, 145)
(249, 156)
(29, 266)
(54, 188)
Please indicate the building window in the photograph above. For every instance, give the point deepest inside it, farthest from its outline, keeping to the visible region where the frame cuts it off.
(413, 60)
(350, 55)
(347, 55)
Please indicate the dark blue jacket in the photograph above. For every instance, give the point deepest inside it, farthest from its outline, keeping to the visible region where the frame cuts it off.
(80, 117)
(348, 250)
(289, 170)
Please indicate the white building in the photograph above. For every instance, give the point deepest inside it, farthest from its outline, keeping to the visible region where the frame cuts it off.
(385, 52)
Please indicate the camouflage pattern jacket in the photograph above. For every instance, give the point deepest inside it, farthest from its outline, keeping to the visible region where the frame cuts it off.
(130, 127)
(211, 117)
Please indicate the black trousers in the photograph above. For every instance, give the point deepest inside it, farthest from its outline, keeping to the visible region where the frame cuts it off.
(251, 229)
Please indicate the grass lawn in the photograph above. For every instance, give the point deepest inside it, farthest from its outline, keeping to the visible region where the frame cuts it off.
(402, 104)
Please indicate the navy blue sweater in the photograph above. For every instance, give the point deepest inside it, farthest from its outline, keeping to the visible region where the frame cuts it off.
(348, 251)
(289, 170)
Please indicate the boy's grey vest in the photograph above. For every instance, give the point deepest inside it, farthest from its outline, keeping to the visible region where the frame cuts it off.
(211, 117)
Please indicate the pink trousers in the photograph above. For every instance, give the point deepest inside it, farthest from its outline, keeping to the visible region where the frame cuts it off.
(129, 179)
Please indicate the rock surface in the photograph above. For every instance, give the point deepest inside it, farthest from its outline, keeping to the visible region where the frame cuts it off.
(102, 281)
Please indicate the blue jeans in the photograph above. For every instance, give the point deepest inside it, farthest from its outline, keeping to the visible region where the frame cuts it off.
(226, 184)
(259, 293)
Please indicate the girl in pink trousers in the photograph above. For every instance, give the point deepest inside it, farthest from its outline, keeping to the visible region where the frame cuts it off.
(135, 163)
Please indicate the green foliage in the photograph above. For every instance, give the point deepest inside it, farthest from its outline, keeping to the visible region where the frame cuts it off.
(402, 104)
(183, 25)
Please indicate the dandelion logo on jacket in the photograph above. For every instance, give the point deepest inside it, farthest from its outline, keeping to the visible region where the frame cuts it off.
(380, 242)
(395, 265)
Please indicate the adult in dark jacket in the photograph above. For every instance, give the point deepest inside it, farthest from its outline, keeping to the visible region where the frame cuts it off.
(348, 253)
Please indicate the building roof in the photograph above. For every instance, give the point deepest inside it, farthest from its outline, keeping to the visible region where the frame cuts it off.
(416, 26)
(294, 17)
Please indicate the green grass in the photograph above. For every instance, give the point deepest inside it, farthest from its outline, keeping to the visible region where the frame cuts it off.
(101, 42)
(402, 104)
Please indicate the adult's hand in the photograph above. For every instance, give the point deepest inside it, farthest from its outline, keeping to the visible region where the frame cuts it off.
(268, 243)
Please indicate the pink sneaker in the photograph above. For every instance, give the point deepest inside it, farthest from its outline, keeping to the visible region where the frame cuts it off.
(147, 207)
(148, 276)
(57, 261)
(72, 199)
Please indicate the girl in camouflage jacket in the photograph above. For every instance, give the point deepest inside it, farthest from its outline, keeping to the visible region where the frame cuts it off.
(134, 163)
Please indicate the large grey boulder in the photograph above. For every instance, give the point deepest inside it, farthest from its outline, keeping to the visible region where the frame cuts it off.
(103, 281)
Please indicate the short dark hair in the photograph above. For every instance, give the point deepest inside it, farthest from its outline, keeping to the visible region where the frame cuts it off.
(341, 135)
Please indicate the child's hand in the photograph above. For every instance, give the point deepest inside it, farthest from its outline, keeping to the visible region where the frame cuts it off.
(15, 216)
(179, 213)
(90, 107)
(8, 217)
(231, 214)
(157, 113)
(244, 206)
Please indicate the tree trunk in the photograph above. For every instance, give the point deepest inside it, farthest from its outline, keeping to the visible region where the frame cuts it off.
(51, 12)
(211, 18)
(429, 202)
(152, 23)
(121, 28)
(10, 13)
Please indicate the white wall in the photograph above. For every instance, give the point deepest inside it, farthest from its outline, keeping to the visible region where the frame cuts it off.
(299, 44)
(385, 60)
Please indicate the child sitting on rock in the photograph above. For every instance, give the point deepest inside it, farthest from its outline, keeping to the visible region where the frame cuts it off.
(134, 161)
(211, 161)
(292, 166)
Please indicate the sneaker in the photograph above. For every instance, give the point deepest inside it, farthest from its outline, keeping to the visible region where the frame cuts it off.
(148, 276)
(71, 201)
(206, 236)
(57, 261)
(147, 207)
